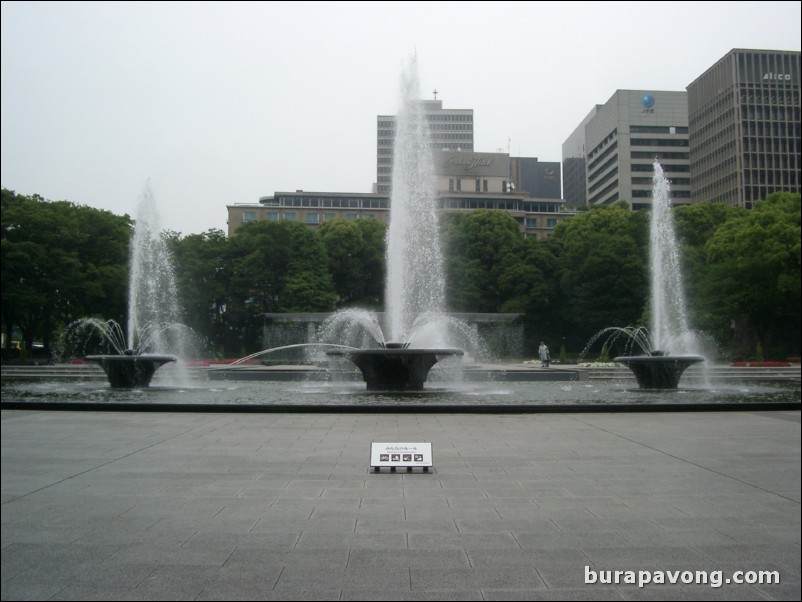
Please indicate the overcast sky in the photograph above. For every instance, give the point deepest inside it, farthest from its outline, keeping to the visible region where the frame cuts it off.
(219, 103)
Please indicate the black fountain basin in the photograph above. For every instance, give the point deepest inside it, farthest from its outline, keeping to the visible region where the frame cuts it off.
(658, 371)
(395, 367)
(130, 371)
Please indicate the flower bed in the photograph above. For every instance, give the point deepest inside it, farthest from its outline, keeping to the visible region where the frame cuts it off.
(206, 363)
(761, 364)
(599, 365)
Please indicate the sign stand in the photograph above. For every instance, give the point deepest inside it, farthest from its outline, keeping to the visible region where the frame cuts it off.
(400, 455)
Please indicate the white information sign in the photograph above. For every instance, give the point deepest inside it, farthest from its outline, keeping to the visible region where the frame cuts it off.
(401, 455)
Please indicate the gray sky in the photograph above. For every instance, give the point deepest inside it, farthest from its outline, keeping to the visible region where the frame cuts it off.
(219, 103)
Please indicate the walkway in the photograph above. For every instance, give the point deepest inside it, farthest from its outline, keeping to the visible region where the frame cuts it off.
(194, 506)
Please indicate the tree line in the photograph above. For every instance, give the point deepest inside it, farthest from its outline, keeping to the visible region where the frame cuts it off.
(62, 261)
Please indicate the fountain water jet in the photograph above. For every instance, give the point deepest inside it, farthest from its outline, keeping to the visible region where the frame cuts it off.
(414, 259)
(661, 369)
(415, 281)
(154, 314)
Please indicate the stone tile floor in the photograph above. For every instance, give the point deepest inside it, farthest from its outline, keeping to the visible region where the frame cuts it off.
(193, 506)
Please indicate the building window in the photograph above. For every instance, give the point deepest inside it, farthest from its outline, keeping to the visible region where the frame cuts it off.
(312, 218)
(272, 216)
(249, 216)
(478, 185)
(451, 184)
(351, 216)
(531, 222)
(328, 216)
(551, 222)
(484, 185)
(289, 216)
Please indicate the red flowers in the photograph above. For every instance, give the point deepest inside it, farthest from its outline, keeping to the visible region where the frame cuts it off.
(761, 364)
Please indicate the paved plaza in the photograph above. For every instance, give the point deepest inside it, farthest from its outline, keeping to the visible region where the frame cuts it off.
(200, 506)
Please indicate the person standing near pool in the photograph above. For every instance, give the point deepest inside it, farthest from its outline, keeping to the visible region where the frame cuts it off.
(545, 358)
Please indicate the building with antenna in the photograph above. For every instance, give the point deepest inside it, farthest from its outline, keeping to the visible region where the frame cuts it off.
(450, 129)
(527, 189)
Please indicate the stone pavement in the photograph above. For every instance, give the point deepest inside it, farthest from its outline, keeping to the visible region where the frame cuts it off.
(194, 506)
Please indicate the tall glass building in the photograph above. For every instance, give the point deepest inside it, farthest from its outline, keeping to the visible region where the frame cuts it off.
(744, 127)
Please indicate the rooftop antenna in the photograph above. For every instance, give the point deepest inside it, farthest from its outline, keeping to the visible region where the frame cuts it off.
(435, 93)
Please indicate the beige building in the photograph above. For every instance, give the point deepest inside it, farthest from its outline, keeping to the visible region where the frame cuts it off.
(470, 181)
(310, 208)
(465, 182)
(745, 127)
(458, 171)
(624, 137)
(526, 188)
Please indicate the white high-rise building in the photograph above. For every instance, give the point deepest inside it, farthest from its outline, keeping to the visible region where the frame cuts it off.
(621, 139)
(450, 129)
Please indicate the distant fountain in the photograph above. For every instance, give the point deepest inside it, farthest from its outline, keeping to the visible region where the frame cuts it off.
(670, 345)
(415, 280)
(154, 312)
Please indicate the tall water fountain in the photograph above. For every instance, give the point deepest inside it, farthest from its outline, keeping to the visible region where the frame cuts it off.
(414, 292)
(154, 312)
(671, 347)
(414, 259)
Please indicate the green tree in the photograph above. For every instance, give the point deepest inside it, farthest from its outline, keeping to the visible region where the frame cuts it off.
(275, 267)
(60, 262)
(491, 267)
(466, 277)
(374, 236)
(485, 262)
(602, 267)
(344, 243)
(527, 284)
(355, 250)
(695, 226)
(308, 285)
(203, 272)
(753, 280)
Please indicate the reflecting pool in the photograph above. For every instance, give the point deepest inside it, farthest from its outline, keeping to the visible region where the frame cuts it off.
(475, 395)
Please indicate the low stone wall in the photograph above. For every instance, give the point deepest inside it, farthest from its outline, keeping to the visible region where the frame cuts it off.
(503, 334)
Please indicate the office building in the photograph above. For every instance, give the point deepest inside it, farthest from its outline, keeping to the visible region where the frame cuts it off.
(625, 136)
(573, 166)
(744, 126)
(449, 129)
(525, 188)
(537, 179)
(310, 208)
(528, 189)
(465, 181)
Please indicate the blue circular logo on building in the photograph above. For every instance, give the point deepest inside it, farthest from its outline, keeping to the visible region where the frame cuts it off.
(647, 100)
